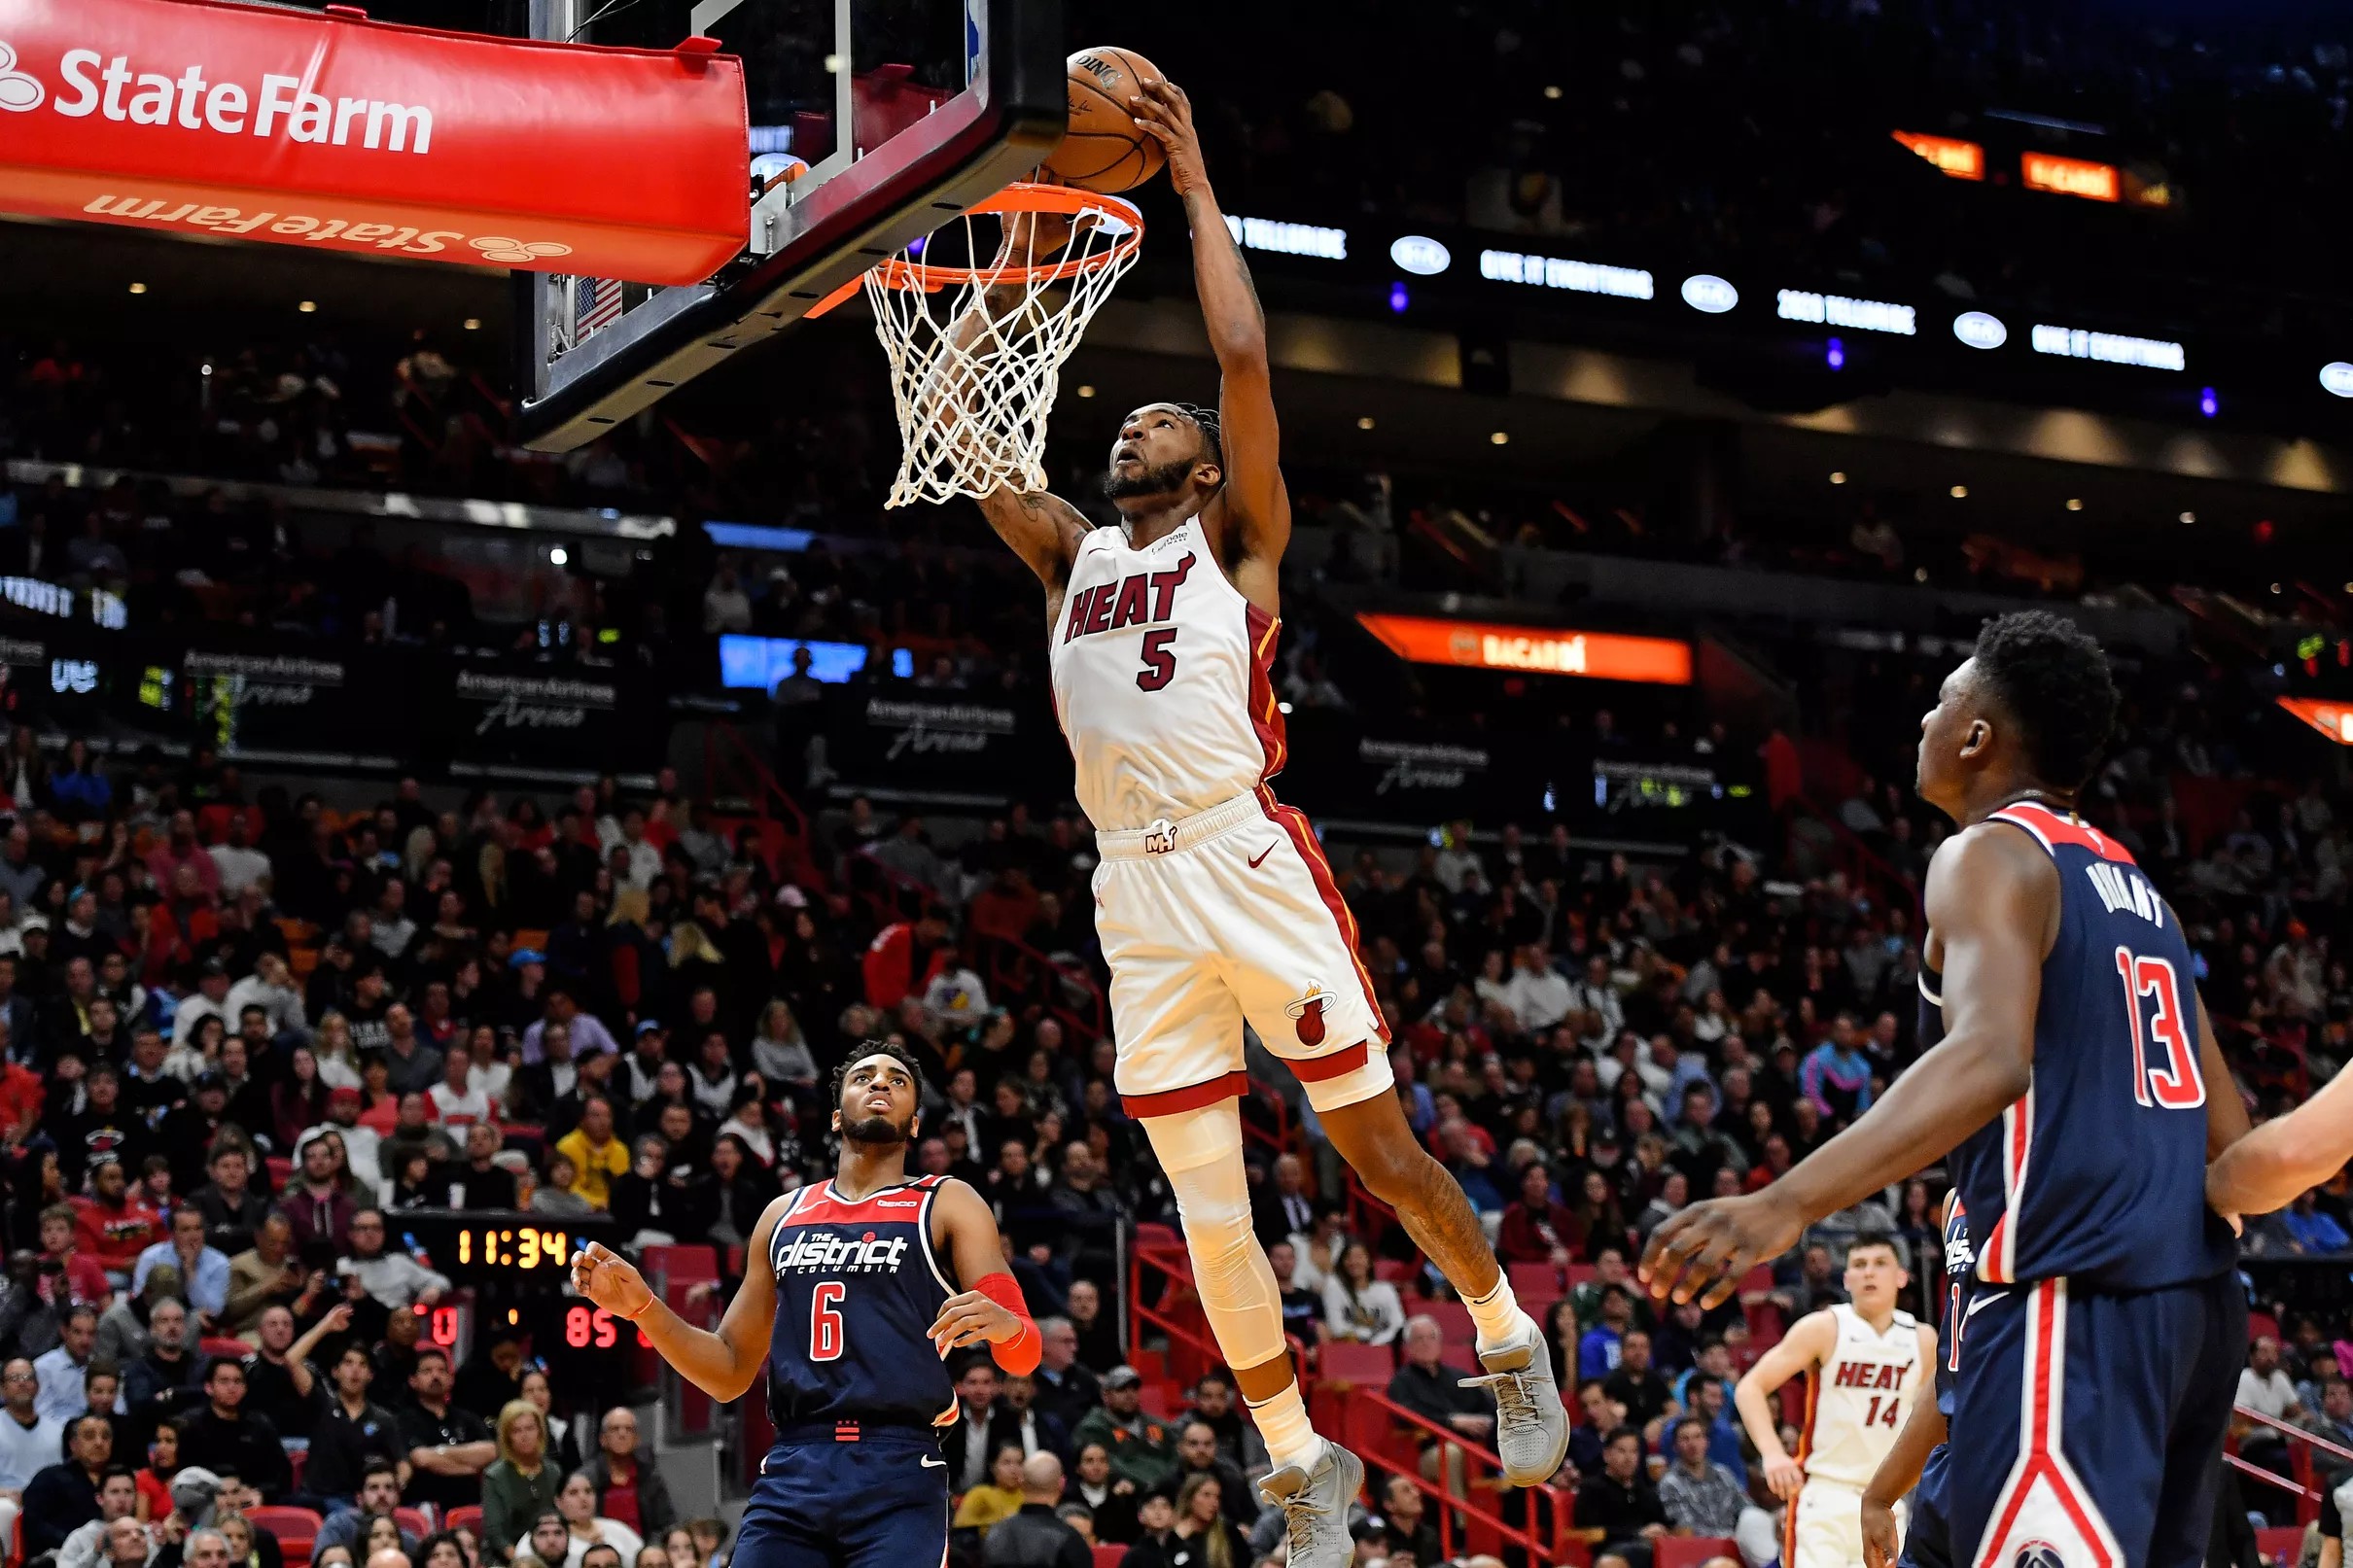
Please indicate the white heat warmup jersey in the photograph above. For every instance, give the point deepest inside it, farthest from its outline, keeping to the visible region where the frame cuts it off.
(1160, 680)
(1862, 1392)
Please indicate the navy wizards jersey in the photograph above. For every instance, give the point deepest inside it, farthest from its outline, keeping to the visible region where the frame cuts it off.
(1953, 1299)
(858, 1287)
(2098, 1174)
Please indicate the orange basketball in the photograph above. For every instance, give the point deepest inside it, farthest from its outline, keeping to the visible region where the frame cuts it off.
(1106, 150)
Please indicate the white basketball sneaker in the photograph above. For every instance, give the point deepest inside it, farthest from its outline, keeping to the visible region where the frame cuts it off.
(1531, 1424)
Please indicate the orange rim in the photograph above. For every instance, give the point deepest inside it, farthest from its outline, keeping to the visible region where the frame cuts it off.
(898, 273)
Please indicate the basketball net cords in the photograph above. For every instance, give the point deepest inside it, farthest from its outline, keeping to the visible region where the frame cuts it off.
(973, 415)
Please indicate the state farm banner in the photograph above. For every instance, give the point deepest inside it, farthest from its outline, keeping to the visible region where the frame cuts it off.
(193, 117)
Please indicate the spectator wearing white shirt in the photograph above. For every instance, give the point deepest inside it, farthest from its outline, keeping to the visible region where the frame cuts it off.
(589, 1037)
(31, 1441)
(1595, 995)
(1455, 858)
(457, 1099)
(210, 997)
(270, 987)
(1538, 995)
(644, 861)
(2265, 1387)
(397, 1280)
(956, 996)
(240, 863)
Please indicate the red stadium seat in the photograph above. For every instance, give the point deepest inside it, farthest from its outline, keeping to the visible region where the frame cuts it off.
(218, 1347)
(1369, 1365)
(466, 1517)
(296, 1530)
(1690, 1550)
(1537, 1279)
(1109, 1557)
(2284, 1544)
(415, 1520)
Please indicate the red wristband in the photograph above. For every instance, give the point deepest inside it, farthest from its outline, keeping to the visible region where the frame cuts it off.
(1019, 1354)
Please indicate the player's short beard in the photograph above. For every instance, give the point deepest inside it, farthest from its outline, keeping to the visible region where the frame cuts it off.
(879, 1132)
(1165, 479)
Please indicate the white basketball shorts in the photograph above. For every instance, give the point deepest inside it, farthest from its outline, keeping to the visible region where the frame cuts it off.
(1231, 915)
(1825, 1526)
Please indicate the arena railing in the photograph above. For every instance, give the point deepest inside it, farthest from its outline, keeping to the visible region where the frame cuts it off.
(1466, 1496)
(2302, 1445)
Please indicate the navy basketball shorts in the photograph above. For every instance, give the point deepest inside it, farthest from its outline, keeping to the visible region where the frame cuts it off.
(2088, 1427)
(1927, 1532)
(879, 1502)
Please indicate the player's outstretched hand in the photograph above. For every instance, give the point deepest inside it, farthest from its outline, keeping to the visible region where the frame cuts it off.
(1164, 113)
(970, 1319)
(611, 1281)
(1701, 1253)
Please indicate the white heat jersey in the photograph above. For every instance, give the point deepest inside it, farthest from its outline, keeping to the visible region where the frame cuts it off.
(1862, 1392)
(1160, 680)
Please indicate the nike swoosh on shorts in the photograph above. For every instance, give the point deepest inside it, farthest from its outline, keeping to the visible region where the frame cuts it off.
(1263, 853)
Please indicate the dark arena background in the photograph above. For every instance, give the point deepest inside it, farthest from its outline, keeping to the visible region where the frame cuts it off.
(478, 752)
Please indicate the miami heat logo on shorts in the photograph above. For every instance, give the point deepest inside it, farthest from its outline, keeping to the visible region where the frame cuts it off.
(2038, 1554)
(1307, 1014)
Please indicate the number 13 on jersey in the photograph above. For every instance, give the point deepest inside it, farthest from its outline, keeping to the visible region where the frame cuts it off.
(2164, 1058)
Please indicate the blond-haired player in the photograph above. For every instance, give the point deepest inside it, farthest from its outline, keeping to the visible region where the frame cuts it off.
(1865, 1360)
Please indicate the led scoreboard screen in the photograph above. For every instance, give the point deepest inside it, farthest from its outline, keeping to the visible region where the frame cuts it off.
(518, 1266)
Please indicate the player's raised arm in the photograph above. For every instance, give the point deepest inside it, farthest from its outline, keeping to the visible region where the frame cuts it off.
(724, 1364)
(1992, 898)
(1254, 500)
(990, 1308)
(2264, 1170)
(1802, 1350)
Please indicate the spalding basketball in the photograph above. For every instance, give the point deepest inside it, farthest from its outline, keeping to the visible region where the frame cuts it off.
(1106, 150)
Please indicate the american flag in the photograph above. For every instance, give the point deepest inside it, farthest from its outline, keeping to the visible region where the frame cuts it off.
(596, 304)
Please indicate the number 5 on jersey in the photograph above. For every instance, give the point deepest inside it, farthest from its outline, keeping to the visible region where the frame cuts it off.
(825, 1320)
(2173, 1081)
(1159, 659)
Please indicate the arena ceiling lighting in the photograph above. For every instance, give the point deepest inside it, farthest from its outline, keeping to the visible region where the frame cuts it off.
(1837, 310)
(1420, 255)
(1559, 272)
(2337, 379)
(1707, 293)
(2335, 719)
(1979, 329)
(1532, 649)
(1963, 161)
(1288, 239)
(2071, 177)
(2110, 348)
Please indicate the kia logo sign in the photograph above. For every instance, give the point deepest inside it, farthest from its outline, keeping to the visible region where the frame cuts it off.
(1980, 330)
(18, 92)
(1422, 255)
(2338, 379)
(1705, 291)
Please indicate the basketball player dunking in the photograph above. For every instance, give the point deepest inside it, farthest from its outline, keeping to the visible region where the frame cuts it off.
(1214, 904)
(847, 1298)
(1864, 1361)
(2073, 1079)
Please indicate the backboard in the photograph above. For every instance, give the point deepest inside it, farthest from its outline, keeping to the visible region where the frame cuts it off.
(889, 117)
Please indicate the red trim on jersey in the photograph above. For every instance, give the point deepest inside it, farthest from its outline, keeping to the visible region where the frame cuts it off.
(1266, 714)
(1789, 1520)
(1293, 821)
(824, 1207)
(1316, 1069)
(1997, 1259)
(2054, 828)
(1191, 1098)
(2041, 1438)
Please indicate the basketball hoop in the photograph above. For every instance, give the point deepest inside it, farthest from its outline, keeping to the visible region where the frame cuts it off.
(973, 385)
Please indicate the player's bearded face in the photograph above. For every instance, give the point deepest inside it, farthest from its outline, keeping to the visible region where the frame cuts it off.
(1139, 477)
(871, 1106)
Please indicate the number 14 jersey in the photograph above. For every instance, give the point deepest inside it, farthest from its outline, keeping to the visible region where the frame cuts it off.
(859, 1286)
(1861, 1394)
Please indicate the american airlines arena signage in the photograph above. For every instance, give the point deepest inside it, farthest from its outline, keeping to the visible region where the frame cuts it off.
(1532, 649)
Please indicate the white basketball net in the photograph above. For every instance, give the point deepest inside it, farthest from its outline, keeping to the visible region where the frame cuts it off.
(973, 380)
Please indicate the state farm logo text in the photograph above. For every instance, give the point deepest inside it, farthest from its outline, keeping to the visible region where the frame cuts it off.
(280, 107)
